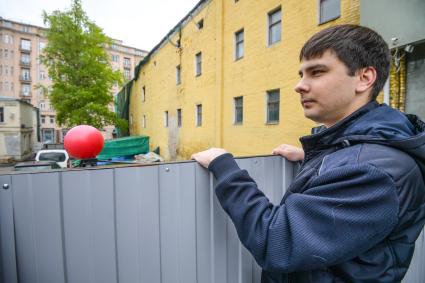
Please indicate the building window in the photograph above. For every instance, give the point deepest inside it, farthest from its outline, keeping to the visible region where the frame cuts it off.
(115, 58)
(143, 94)
(275, 29)
(239, 44)
(25, 74)
(25, 28)
(6, 53)
(25, 59)
(238, 101)
(199, 115)
(25, 44)
(127, 62)
(178, 75)
(166, 119)
(273, 103)
(26, 90)
(329, 10)
(127, 74)
(200, 24)
(6, 86)
(43, 119)
(1, 114)
(42, 75)
(179, 118)
(52, 119)
(48, 135)
(198, 64)
(41, 46)
(144, 121)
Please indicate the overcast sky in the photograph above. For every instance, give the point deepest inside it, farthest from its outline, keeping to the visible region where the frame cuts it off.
(139, 23)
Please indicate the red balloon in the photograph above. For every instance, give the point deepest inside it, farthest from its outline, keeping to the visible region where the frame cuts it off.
(83, 142)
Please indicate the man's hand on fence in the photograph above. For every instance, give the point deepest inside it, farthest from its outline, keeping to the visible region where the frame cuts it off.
(205, 157)
(290, 152)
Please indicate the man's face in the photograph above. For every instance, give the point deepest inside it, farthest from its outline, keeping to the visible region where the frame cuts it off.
(327, 92)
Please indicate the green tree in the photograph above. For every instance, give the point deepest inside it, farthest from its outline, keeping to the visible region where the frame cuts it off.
(79, 68)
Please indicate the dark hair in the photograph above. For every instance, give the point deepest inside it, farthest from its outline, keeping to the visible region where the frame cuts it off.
(356, 46)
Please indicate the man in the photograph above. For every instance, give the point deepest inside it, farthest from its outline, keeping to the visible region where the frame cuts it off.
(355, 209)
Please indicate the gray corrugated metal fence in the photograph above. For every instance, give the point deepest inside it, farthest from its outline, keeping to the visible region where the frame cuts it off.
(150, 224)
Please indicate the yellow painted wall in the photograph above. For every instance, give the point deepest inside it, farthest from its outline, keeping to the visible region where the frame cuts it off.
(262, 68)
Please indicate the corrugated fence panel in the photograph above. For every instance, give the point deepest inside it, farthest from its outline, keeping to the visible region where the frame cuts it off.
(178, 223)
(137, 224)
(8, 271)
(88, 226)
(152, 224)
(38, 228)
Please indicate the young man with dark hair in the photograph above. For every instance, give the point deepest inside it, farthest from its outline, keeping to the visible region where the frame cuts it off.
(355, 209)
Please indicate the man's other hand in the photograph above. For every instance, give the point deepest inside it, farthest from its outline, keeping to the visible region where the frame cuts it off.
(207, 156)
(290, 152)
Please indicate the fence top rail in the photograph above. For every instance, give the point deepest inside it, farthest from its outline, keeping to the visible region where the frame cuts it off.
(118, 165)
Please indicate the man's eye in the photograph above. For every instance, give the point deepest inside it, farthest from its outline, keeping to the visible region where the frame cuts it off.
(316, 72)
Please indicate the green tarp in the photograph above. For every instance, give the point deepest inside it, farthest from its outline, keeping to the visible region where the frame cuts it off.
(126, 146)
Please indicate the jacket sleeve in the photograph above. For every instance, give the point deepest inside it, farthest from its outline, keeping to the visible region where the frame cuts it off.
(344, 212)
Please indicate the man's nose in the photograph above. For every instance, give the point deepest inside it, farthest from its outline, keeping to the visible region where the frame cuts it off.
(301, 86)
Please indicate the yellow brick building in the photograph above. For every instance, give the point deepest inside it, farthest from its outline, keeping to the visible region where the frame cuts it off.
(267, 36)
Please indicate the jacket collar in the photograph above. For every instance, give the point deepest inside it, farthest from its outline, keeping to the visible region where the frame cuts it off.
(326, 137)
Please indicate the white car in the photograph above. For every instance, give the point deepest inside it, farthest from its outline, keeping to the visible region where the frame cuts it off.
(59, 155)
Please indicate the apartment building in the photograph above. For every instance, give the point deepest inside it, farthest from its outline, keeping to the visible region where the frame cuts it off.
(21, 71)
(224, 76)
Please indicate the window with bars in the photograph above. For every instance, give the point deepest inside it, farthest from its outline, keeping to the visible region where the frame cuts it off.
(275, 28)
(273, 105)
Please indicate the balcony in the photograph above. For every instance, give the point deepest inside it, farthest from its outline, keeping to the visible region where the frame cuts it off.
(25, 49)
(25, 94)
(26, 79)
(25, 63)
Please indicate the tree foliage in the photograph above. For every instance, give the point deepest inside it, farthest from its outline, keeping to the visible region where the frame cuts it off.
(79, 68)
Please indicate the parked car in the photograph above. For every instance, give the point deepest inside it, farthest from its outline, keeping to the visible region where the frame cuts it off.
(58, 155)
(36, 165)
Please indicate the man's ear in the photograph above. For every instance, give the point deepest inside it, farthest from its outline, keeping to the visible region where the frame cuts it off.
(366, 78)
